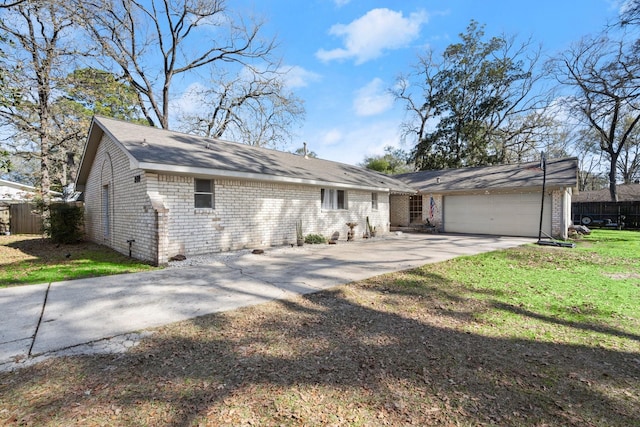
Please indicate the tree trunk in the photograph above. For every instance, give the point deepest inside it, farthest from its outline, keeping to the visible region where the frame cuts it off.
(613, 189)
(45, 180)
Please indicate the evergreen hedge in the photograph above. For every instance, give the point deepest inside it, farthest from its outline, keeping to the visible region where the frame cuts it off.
(65, 223)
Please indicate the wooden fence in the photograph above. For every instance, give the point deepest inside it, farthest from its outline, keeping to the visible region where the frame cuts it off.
(25, 219)
(615, 212)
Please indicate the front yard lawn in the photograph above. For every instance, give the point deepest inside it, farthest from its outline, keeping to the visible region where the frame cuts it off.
(27, 259)
(531, 336)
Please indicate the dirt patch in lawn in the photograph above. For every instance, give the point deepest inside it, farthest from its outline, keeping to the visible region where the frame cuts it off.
(624, 276)
(377, 352)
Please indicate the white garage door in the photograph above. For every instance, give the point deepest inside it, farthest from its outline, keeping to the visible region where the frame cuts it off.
(497, 214)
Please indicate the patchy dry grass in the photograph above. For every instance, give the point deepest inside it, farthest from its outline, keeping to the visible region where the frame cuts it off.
(507, 338)
(28, 259)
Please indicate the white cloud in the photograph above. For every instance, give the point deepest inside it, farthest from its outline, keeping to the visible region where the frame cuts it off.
(372, 99)
(297, 77)
(330, 137)
(190, 101)
(355, 143)
(351, 142)
(369, 36)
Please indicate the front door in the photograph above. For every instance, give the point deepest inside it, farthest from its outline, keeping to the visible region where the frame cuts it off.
(415, 209)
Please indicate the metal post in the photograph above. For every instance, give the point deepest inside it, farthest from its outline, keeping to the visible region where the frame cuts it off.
(130, 242)
(543, 165)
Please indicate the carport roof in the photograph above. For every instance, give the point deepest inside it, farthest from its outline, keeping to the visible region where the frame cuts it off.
(159, 150)
(560, 173)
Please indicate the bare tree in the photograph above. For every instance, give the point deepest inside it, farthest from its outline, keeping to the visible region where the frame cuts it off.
(154, 41)
(36, 48)
(8, 4)
(524, 136)
(604, 74)
(416, 90)
(586, 147)
(631, 13)
(254, 107)
(628, 163)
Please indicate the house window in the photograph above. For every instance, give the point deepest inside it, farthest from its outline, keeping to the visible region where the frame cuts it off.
(203, 193)
(333, 199)
(374, 201)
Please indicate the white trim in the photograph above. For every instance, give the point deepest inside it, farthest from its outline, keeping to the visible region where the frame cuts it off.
(17, 185)
(489, 190)
(221, 173)
(24, 187)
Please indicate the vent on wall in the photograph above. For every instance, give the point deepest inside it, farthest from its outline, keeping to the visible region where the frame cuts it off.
(136, 178)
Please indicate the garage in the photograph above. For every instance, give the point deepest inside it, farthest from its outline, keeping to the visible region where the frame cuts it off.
(500, 214)
(501, 200)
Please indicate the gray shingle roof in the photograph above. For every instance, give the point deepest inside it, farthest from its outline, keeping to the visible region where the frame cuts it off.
(626, 193)
(560, 173)
(161, 150)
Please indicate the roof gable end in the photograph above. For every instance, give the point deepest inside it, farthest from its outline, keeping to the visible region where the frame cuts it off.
(160, 150)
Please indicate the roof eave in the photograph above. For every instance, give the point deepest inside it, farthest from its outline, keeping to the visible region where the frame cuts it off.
(88, 154)
(515, 189)
(229, 174)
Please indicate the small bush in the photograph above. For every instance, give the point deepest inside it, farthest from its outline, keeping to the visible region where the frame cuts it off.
(314, 238)
(66, 223)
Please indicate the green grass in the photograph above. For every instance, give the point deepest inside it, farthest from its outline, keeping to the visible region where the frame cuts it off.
(586, 293)
(28, 260)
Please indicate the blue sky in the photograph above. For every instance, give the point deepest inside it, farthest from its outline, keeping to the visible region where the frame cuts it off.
(346, 54)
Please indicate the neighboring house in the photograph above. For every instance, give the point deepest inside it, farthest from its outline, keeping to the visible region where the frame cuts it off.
(160, 193)
(11, 193)
(17, 210)
(497, 200)
(14, 192)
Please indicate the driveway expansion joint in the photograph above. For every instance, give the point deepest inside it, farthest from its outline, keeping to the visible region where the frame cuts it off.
(35, 334)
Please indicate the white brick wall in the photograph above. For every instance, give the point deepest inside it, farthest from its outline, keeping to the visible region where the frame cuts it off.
(158, 212)
(130, 215)
(561, 213)
(399, 210)
(249, 214)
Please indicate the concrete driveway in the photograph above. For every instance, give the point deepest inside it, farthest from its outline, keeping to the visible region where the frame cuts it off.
(106, 314)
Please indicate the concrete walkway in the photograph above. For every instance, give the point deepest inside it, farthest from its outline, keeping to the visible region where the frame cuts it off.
(102, 314)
